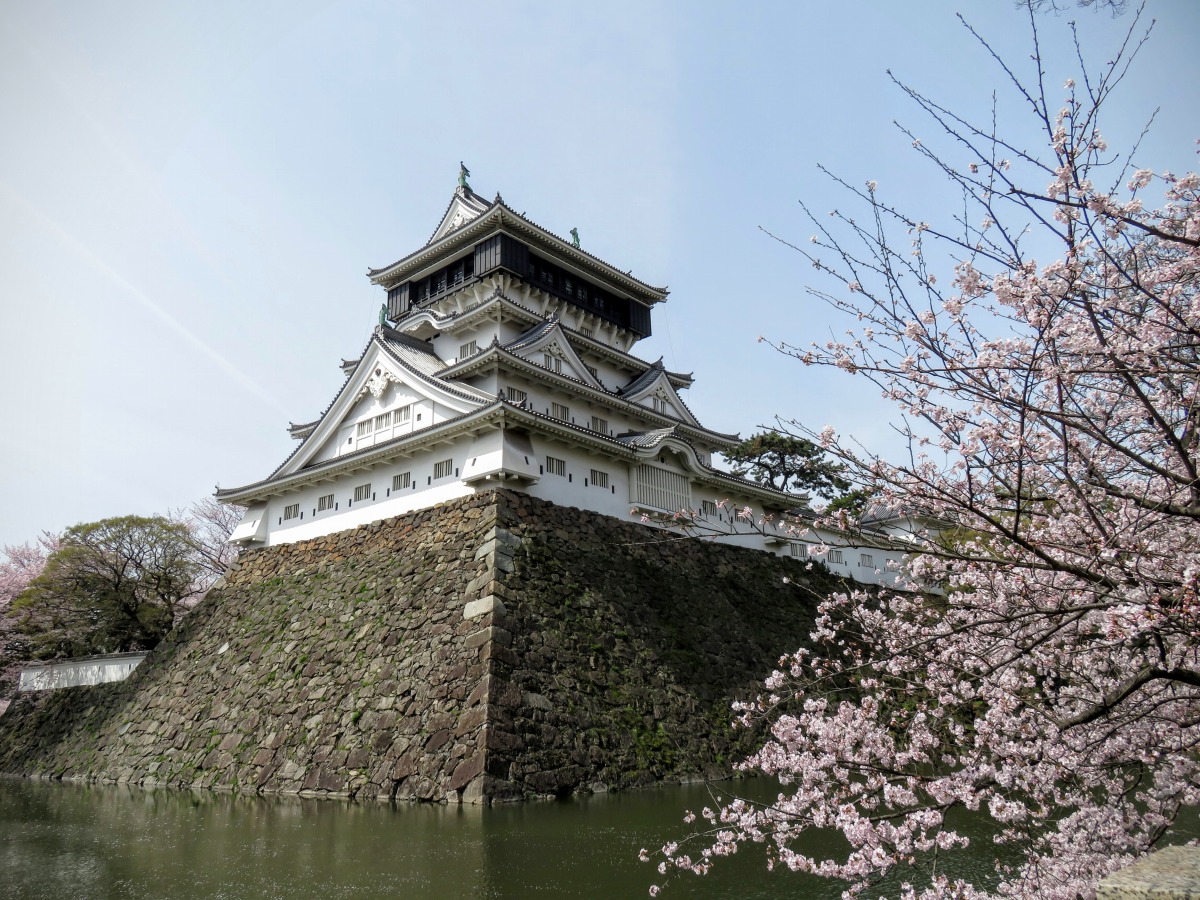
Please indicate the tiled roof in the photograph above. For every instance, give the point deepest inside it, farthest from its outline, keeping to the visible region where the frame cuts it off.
(590, 342)
(646, 440)
(646, 378)
(565, 248)
(418, 357)
(533, 334)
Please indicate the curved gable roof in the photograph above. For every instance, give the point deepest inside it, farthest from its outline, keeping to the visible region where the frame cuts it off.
(404, 360)
(656, 380)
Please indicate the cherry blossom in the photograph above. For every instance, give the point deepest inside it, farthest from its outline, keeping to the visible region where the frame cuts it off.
(1044, 672)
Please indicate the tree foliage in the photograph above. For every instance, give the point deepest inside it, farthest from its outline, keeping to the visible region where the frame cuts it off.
(110, 586)
(1052, 410)
(788, 462)
(22, 563)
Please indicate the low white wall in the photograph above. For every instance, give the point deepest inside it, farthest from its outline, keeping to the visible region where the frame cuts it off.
(77, 672)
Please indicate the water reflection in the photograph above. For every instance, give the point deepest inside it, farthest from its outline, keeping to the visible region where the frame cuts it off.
(68, 841)
(64, 841)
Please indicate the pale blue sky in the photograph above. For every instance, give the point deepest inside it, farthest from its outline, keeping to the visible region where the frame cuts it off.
(191, 192)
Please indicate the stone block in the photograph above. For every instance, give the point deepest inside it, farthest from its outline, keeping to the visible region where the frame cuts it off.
(471, 720)
(483, 606)
(467, 770)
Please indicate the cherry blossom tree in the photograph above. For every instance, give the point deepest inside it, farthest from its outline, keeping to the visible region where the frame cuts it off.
(111, 586)
(1048, 674)
(209, 525)
(21, 564)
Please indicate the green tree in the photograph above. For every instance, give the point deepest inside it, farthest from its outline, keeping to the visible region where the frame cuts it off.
(114, 585)
(786, 462)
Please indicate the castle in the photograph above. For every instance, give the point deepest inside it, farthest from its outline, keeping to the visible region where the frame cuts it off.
(502, 358)
(450, 591)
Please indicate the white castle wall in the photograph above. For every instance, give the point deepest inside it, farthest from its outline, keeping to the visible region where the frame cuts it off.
(79, 672)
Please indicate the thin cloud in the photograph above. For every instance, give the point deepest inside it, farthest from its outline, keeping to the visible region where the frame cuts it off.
(132, 290)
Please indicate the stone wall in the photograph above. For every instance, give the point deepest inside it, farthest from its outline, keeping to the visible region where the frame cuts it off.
(491, 648)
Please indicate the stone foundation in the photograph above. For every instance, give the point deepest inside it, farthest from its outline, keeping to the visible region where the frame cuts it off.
(492, 648)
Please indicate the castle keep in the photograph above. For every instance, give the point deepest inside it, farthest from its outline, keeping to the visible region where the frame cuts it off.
(503, 358)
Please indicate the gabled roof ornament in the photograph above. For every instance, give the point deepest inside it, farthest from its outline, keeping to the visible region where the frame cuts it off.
(463, 174)
(575, 238)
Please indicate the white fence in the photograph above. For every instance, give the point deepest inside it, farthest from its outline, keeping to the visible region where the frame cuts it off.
(76, 672)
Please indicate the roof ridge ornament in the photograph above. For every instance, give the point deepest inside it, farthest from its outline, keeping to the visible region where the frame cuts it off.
(463, 174)
(575, 238)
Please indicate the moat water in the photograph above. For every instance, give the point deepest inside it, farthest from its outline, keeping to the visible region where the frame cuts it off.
(68, 841)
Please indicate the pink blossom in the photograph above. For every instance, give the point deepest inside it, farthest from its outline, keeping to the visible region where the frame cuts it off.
(1045, 675)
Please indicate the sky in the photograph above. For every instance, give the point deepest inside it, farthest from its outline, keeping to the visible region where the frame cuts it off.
(192, 192)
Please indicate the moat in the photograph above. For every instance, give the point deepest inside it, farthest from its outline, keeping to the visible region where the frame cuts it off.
(67, 841)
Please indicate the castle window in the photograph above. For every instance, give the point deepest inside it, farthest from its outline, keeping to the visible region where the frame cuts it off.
(555, 466)
(443, 469)
(663, 489)
(468, 349)
(553, 363)
(404, 414)
(599, 424)
(364, 428)
(582, 294)
(592, 370)
(586, 332)
(291, 512)
(516, 395)
(362, 492)
(708, 508)
(560, 411)
(383, 421)
(325, 502)
(599, 479)
(797, 550)
(401, 481)
(866, 560)
(834, 556)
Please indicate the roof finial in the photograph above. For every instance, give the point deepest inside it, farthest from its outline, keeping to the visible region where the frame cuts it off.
(575, 238)
(463, 174)
(383, 311)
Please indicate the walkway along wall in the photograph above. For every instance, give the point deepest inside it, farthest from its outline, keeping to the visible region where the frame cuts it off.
(491, 648)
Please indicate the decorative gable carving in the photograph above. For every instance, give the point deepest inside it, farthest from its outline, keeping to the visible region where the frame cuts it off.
(379, 381)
